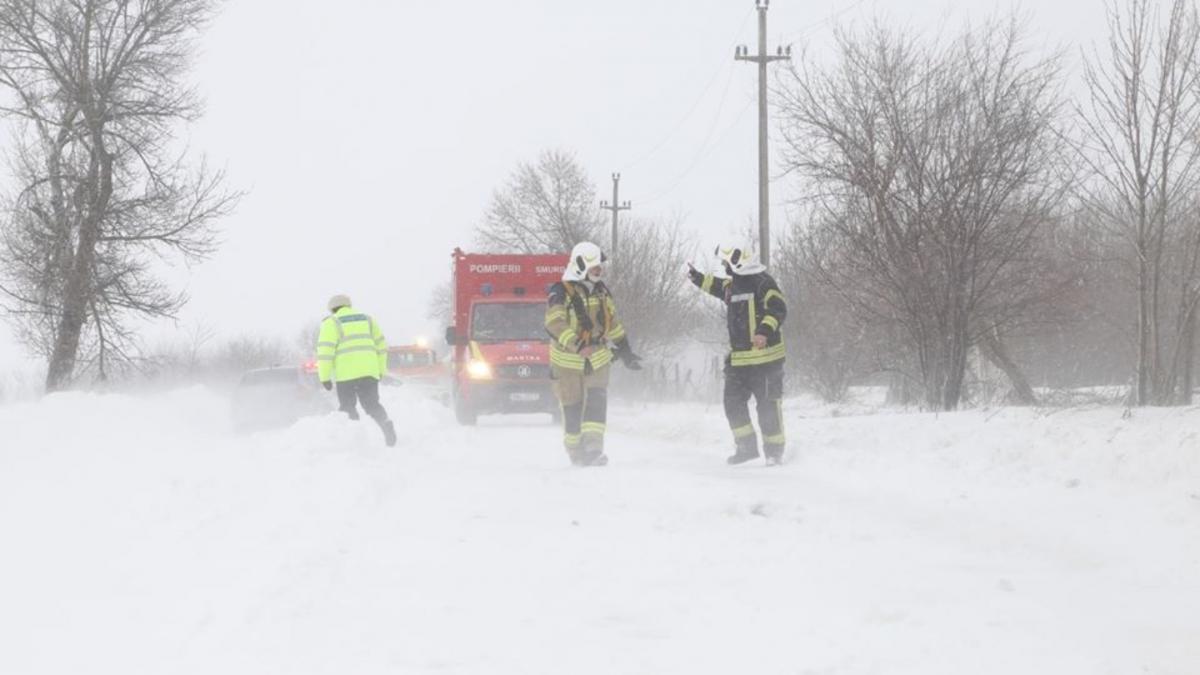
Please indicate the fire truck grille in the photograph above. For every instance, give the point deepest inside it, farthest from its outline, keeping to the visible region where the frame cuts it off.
(524, 371)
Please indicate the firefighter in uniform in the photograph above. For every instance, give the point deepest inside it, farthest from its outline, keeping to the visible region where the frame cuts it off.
(754, 312)
(581, 317)
(352, 350)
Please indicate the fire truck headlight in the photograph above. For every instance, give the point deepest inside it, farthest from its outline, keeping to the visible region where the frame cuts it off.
(479, 370)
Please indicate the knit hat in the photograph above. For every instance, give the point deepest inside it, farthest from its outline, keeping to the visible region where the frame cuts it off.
(338, 300)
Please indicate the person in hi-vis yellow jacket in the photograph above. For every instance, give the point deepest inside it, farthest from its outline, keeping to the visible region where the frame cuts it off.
(352, 351)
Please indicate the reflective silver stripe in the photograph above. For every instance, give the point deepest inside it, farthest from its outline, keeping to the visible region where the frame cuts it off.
(323, 357)
(348, 350)
(326, 344)
(741, 296)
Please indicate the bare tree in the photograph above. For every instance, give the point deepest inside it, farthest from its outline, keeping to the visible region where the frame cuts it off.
(829, 343)
(440, 308)
(1141, 124)
(932, 170)
(546, 207)
(654, 297)
(97, 88)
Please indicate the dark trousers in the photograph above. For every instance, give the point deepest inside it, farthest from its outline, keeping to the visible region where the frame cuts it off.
(364, 390)
(765, 383)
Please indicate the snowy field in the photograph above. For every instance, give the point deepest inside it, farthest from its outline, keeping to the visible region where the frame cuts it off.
(142, 536)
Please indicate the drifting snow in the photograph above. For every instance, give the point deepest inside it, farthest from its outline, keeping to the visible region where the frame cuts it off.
(140, 536)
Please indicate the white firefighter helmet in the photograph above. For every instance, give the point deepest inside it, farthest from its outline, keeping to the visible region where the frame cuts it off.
(739, 259)
(584, 257)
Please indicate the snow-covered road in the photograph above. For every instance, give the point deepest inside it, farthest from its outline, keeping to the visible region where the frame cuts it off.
(140, 536)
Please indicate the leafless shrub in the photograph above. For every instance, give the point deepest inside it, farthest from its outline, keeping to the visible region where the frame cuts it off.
(931, 172)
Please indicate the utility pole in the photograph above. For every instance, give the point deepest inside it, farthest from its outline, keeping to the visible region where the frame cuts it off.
(616, 207)
(762, 59)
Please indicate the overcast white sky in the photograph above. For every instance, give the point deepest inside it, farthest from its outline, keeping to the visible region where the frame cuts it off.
(371, 133)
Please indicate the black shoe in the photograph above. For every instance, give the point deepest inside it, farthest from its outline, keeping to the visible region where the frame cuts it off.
(774, 460)
(743, 455)
(389, 434)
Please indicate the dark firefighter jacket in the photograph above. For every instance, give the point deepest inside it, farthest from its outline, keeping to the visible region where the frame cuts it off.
(753, 304)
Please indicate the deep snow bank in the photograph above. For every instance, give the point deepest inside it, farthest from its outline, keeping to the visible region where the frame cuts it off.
(141, 536)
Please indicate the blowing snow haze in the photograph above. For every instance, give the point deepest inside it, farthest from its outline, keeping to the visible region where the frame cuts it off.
(945, 424)
(370, 135)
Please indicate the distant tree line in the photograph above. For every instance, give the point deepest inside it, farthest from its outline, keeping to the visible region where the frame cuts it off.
(958, 211)
(958, 205)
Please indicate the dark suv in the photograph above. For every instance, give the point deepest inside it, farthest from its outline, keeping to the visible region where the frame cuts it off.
(270, 398)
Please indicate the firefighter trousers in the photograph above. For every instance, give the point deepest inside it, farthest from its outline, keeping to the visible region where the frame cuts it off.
(765, 383)
(584, 400)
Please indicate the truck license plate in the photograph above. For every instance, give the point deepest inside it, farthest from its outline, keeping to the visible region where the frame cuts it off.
(524, 396)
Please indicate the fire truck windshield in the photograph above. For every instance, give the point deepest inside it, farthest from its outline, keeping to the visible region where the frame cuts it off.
(505, 321)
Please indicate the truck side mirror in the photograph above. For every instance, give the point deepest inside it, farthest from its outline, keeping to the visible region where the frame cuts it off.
(451, 338)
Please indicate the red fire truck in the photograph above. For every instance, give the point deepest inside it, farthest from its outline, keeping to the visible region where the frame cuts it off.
(501, 358)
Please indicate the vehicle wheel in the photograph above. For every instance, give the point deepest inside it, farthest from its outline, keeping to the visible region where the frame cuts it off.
(464, 413)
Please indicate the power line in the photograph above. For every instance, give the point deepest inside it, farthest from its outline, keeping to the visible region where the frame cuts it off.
(705, 149)
(823, 22)
(700, 156)
(671, 132)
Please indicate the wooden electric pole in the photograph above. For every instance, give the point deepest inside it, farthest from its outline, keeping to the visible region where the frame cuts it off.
(616, 207)
(762, 58)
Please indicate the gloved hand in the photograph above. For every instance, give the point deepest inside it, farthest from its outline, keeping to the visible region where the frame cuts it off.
(632, 361)
(623, 351)
(693, 273)
(328, 385)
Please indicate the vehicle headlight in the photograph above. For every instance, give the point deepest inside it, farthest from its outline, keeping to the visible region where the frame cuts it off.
(479, 370)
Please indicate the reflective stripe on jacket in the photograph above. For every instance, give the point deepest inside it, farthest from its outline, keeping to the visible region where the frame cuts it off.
(350, 346)
(754, 305)
(571, 332)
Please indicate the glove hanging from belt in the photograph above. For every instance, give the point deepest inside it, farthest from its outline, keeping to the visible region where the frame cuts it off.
(624, 352)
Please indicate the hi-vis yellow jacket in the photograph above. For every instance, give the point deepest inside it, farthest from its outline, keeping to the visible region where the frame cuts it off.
(350, 347)
(578, 318)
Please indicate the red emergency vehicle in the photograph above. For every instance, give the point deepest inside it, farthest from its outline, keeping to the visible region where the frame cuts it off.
(417, 361)
(501, 357)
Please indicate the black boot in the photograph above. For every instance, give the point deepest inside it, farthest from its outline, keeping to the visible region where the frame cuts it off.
(774, 454)
(389, 433)
(747, 449)
(742, 456)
